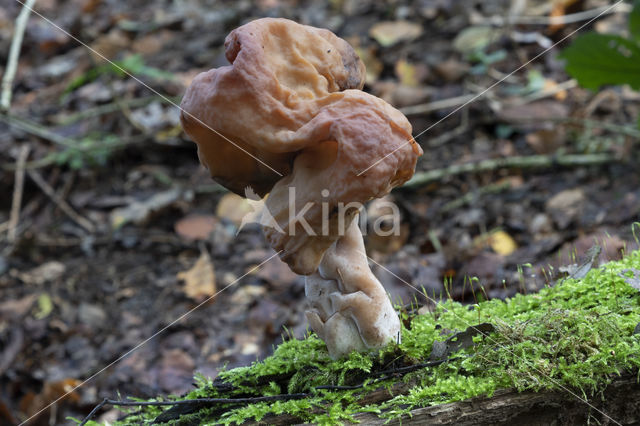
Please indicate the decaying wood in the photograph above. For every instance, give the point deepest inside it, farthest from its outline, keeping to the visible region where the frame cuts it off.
(620, 401)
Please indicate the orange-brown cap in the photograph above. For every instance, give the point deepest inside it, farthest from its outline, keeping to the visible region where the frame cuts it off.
(289, 113)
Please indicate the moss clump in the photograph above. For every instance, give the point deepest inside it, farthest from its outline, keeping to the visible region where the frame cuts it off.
(577, 335)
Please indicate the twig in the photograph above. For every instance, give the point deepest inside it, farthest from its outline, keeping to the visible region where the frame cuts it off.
(560, 87)
(437, 105)
(37, 130)
(203, 401)
(617, 128)
(524, 162)
(64, 206)
(14, 53)
(108, 108)
(18, 187)
(470, 196)
(94, 411)
(385, 375)
(555, 20)
(452, 134)
(44, 133)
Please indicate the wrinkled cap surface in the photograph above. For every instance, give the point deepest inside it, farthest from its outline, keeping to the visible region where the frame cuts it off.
(291, 98)
(279, 77)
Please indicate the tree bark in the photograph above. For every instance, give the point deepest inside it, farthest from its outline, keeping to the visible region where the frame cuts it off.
(620, 403)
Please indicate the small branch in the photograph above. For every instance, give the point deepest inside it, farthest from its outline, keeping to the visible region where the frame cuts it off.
(36, 130)
(64, 206)
(560, 87)
(525, 162)
(631, 131)
(203, 401)
(437, 105)
(109, 108)
(14, 53)
(18, 187)
(555, 20)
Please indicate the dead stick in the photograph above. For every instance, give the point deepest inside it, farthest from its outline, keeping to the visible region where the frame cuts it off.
(18, 188)
(14, 53)
(64, 206)
(555, 20)
(203, 401)
(436, 105)
(525, 162)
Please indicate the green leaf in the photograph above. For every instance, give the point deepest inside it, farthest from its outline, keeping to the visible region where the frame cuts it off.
(598, 59)
(634, 21)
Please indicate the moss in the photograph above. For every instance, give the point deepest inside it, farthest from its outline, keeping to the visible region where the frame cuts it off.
(577, 335)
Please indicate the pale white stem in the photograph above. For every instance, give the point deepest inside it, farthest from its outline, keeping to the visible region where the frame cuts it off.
(348, 307)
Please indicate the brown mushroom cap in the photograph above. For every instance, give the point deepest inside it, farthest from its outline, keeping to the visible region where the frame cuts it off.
(281, 73)
(288, 99)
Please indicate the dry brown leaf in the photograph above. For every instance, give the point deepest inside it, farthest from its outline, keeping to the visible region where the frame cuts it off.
(200, 280)
(546, 141)
(233, 208)
(196, 226)
(559, 8)
(31, 404)
(139, 212)
(388, 33)
(49, 271)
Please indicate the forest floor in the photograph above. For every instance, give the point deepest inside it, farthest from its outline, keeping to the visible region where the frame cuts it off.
(121, 231)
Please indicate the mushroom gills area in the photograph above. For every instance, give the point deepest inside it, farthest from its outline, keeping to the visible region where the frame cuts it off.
(348, 307)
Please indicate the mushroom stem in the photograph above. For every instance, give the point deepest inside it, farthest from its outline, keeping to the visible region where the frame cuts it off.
(348, 307)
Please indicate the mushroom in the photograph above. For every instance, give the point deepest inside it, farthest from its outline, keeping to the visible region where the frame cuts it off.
(288, 118)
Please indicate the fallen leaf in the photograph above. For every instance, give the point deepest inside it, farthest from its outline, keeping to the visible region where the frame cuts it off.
(277, 273)
(46, 272)
(31, 404)
(451, 70)
(546, 141)
(502, 243)
(196, 226)
(476, 38)
(176, 371)
(565, 206)
(109, 45)
(15, 309)
(200, 280)
(559, 8)
(388, 33)
(233, 208)
(139, 212)
(247, 294)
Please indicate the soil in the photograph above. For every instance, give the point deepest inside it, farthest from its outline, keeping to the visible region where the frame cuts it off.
(116, 208)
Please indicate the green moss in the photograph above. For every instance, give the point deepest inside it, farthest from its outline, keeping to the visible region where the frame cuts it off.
(577, 335)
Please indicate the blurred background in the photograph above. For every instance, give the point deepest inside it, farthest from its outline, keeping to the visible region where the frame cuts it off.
(110, 229)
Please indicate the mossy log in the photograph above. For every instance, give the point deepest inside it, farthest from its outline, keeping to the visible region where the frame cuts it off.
(619, 403)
